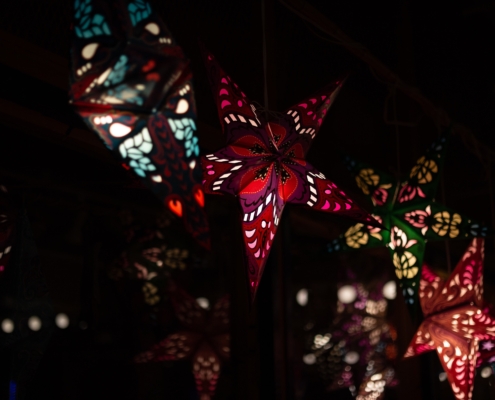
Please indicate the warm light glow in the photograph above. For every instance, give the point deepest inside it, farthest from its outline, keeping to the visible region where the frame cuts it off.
(119, 130)
(309, 359)
(302, 297)
(152, 28)
(351, 358)
(182, 106)
(62, 321)
(203, 302)
(442, 376)
(486, 372)
(347, 294)
(89, 51)
(7, 325)
(390, 290)
(34, 323)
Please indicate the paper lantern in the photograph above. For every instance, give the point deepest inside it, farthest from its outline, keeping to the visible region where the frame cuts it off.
(205, 340)
(455, 319)
(7, 223)
(408, 210)
(150, 257)
(358, 351)
(131, 84)
(264, 165)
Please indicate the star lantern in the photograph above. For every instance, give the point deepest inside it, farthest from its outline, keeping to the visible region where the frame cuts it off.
(205, 340)
(358, 351)
(264, 165)
(408, 211)
(7, 223)
(151, 259)
(455, 319)
(131, 84)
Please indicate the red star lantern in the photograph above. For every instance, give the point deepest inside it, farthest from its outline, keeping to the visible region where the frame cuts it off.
(455, 319)
(205, 340)
(264, 165)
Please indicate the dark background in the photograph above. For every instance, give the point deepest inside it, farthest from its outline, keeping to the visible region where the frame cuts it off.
(76, 195)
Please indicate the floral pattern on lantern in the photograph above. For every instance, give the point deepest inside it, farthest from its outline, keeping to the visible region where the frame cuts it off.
(405, 262)
(380, 194)
(424, 170)
(410, 207)
(355, 237)
(447, 224)
(366, 178)
(419, 219)
(263, 165)
(150, 293)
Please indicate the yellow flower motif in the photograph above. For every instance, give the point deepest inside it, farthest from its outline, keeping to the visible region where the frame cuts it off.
(446, 224)
(424, 170)
(175, 258)
(405, 265)
(355, 237)
(367, 178)
(150, 293)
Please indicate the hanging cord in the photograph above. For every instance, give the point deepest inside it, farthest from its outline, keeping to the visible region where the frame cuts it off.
(447, 242)
(266, 115)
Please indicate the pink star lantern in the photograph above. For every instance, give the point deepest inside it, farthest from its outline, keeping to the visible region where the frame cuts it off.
(455, 319)
(263, 164)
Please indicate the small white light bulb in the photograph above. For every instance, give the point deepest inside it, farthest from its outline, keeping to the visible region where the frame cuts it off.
(486, 372)
(203, 302)
(7, 325)
(34, 323)
(309, 359)
(351, 358)
(302, 297)
(390, 290)
(347, 294)
(62, 320)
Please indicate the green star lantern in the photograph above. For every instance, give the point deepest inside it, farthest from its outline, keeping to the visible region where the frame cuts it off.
(409, 212)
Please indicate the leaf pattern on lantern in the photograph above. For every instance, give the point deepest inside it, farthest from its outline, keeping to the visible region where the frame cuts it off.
(455, 319)
(132, 85)
(446, 224)
(424, 170)
(367, 178)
